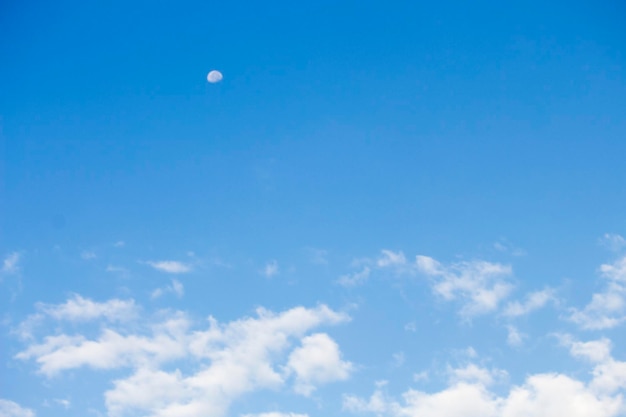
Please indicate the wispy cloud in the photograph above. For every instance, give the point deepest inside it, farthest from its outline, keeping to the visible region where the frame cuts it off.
(10, 264)
(355, 278)
(606, 309)
(88, 255)
(170, 267)
(480, 285)
(12, 409)
(533, 301)
(270, 269)
(176, 287)
(613, 242)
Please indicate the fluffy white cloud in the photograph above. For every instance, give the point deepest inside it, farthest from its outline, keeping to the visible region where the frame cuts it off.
(533, 301)
(228, 360)
(606, 309)
(480, 285)
(12, 409)
(170, 267)
(541, 395)
(317, 361)
(10, 263)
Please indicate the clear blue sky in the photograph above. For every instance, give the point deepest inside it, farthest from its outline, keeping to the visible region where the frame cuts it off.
(442, 176)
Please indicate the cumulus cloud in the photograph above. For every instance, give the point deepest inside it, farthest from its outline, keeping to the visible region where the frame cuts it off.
(479, 285)
(533, 301)
(12, 409)
(540, 395)
(317, 361)
(170, 267)
(228, 360)
(606, 309)
(10, 264)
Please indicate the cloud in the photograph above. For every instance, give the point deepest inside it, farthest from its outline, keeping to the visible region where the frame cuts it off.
(514, 336)
(79, 309)
(88, 255)
(534, 301)
(479, 285)
(266, 351)
(317, 361)
(118, 270)
(176, 287)
(318, 256)
(12, 409)
(10, 263)
(468, 393)
(506, 247)
(606, 309)
(275, 414)
(170, 267)
(355, 278)
(612, 241)
(391, 258)
(270, 269)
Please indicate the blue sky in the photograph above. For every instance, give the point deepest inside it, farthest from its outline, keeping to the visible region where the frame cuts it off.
(383, 209)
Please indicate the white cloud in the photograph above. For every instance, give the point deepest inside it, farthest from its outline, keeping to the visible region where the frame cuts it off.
(228, 360)
(355, 278)
(540, 395)
(118, 270)
(119, 244)
(170, 267)
(270, 269)
(10, 263)
(88, 255)
(318, 256)
(63, 403)
(606, 309)
(12, 409)
(506, 247)
(480, 285)
(317, 361)
(176, 287)
(613, 242)
(275, 414)
(398, 359)
(514, 336)
(534, 301)
(391, 259)
(78, 308)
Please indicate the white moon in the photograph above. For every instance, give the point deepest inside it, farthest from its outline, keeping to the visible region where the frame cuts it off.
(214, 77)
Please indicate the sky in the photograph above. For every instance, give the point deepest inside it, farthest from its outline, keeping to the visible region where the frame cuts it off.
(393, 209)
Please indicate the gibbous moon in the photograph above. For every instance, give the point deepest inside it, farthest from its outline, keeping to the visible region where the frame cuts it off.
(214, 77)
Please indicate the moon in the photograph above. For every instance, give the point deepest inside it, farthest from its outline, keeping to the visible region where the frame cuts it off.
(214, 77)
